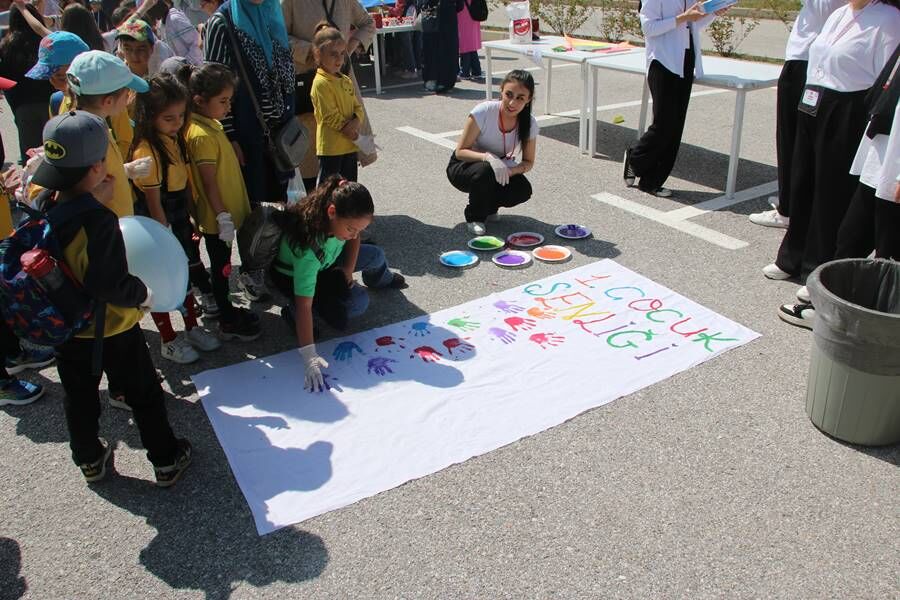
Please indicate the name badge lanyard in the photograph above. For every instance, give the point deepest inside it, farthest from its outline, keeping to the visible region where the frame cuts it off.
(820, 72)
(503, 134)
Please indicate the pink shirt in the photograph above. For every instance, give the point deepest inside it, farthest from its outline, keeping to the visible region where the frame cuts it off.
(469, 32)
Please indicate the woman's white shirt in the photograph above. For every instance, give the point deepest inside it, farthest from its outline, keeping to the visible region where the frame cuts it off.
(809, 23)
(877, 161)
(491, 139)
(666, 40)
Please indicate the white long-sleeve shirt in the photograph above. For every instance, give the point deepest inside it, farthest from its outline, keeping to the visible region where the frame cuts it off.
(877, 161)
(666, 40)
(853, 47)
(810, 19)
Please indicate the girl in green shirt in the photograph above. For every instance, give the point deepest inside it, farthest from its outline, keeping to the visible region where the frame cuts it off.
(320, 232)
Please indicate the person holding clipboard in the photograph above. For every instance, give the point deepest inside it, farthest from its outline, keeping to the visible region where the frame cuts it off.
(672, 31)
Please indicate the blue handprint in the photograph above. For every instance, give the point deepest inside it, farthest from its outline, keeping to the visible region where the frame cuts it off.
(420, 329)
(380, 365)
(507, 337)
(508, 307)
(344, 350)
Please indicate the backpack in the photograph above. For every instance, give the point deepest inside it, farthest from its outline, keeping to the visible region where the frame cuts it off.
(478, 9)
(259, 238)
(46, 318)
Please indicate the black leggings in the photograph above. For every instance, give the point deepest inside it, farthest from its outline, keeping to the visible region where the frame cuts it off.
(219, 259)
(485, 194)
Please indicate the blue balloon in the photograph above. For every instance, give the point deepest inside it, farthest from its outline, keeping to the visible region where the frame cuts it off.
(156, 258)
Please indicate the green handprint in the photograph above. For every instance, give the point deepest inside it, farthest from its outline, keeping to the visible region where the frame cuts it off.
(463, 325)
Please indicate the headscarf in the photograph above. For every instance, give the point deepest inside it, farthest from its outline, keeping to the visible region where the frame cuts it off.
(263, 23)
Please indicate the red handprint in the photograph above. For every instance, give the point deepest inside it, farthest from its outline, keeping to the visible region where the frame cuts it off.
(539, 313)
(545, 340)
(517, 323)
(386, 341)
(462, 346)
(427, 354)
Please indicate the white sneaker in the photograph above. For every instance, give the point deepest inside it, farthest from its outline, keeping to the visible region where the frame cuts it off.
(494, 218)
(475, 228)
(773, 272)
(253, 284)
(770, 218)
(803, 295)
(202, 340)
(801, 315)
(179, 351)
(208, 305)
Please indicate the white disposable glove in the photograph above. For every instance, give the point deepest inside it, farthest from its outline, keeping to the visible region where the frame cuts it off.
(226, 227)
(366, 144)
(139, 168)
(313, 365)
(148, 301)
(501, 171)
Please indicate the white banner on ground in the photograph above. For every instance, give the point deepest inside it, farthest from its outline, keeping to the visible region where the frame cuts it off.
(411, 398)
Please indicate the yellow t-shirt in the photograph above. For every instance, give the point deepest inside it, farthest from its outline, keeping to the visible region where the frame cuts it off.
(123, 199)
(122, 129)
(5, 215)
(177, 173)
(334, 102)
(208, 144)
(118, 318)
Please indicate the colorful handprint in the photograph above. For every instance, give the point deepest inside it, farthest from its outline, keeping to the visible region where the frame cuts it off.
(344, 350)
(463, 324)
(420, 329)
(517, 323)
(386, 341)
(461, 346)
(539, 313)
(427, 354)
(545, 340)
(508, 307)
(507, 337)
(380, 366)
(329, 382)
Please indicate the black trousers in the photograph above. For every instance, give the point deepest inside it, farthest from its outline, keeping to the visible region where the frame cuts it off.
(125, 356)
(9, 347)
(821, 184)
(345, 165)
(485, 194)
(219, 256)
(790, 90)
(870, 223)
(653, 156)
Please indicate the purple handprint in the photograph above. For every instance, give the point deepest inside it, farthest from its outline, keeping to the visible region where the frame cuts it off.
(507, 337)
(380, 365)
(508, 307)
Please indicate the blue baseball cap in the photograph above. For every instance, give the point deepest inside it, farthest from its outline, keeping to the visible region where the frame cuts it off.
(56, 50)
(72, 143)
(96, 72)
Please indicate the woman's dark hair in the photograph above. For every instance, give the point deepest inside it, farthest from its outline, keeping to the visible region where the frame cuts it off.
(211, 79)
(79, 20)
(121, 14)
(306, 223)
(165, 90)
(19, 47)
(524, 78)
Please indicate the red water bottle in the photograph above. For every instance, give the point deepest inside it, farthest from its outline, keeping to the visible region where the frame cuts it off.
(43, 268)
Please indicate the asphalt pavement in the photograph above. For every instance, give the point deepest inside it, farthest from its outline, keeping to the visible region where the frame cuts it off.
(712, 483)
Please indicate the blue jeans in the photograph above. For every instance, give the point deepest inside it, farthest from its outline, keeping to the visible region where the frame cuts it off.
(375, 274)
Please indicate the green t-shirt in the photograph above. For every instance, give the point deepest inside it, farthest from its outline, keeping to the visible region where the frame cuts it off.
(303, 265)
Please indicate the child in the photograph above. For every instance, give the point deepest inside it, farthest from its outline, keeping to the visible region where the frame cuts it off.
(221, 202)
(338, 112)
(320, 231)
(159, 124)
(142, 52)
(484, 163)
(55, 54)
(469, 44)
(75, 145)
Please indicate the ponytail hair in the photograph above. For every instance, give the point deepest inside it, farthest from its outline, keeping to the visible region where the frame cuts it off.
(325, 33)
(524, 78)
(306, 223)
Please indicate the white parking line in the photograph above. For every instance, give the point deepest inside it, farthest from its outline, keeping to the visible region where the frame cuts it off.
(674, 219)
(398, 86)
(428, 137)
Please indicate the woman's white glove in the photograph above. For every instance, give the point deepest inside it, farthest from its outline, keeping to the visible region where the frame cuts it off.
(138, 168)
(226, 227)
(313, 365)
(501, 171)
(366, 144)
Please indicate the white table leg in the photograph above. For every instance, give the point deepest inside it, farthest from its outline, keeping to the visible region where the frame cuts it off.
(488, 75)
(547, 91)
(735, 156)
(376, 47)
(645, 101)
(592, 113)
(582, 116)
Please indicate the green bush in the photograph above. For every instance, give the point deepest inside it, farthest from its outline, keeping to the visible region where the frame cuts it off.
(727, 32)
(619, 20)
(561, 16)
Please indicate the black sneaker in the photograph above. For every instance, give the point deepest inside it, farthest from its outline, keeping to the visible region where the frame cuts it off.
(801, 314)
(96, 470)
(628, 173)
(398, 282)
(168, 475)
(243, 326)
